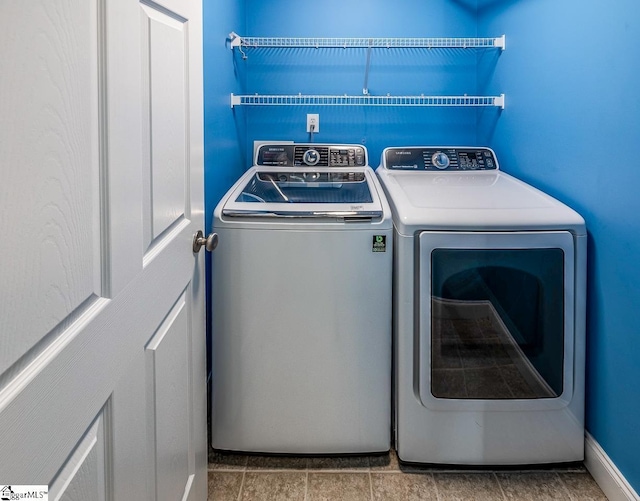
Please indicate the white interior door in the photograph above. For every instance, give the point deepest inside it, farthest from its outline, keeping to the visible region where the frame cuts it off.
(102, 348)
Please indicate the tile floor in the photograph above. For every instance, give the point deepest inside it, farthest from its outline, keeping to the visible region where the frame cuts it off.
(475, 356)
(376, 478)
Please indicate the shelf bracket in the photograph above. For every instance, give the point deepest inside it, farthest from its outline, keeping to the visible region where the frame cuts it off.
(365, 87)
(499, 101)
(235, 40)
(500, 42)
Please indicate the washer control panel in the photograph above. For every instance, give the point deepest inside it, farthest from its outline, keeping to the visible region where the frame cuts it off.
(445, 158)
(312, 155)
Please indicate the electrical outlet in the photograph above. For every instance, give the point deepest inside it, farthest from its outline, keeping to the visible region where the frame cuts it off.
(313, 122)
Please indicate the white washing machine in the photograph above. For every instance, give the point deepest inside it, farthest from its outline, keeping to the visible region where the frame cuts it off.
(489, 312)
(302, 279)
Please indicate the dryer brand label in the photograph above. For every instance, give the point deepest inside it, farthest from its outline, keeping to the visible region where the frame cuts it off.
(379, 243)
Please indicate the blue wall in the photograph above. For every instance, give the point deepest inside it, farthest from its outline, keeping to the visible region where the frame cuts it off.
(224, 135)
(570, 74)
(339, 71)
(572, 127)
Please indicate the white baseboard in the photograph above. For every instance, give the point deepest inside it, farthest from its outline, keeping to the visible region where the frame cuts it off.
(605, 472)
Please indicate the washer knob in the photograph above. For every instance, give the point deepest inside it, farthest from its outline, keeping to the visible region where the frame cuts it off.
(440, 160)
(311, 157)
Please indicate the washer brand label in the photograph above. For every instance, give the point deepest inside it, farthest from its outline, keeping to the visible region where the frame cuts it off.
(379, 243)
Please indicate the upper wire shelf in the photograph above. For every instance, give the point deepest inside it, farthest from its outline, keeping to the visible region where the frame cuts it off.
(388, 43)
(368, 100)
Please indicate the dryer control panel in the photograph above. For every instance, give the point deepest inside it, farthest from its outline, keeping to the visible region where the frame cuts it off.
(312, 155)
(439, 159)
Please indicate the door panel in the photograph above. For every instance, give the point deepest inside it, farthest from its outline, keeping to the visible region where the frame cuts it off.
(51, 226)
(82, 304)
(164, 40)
(168, 365)
(86, 473)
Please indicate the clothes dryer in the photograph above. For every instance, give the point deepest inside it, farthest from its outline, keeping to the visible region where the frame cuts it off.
(489, 312)
(302, 277)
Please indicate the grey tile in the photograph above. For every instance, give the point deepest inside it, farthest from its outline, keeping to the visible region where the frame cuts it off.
(445, 329)
(385, 462)
(274, 486)
(518, 385)
(226, 461)
(338, 487)
(444, 351)
(339, 463)
(486, 383)
(467, 487)
(224, 486)
(403, 487)
(276, 463)
(448, 383)
(486, 325)
(478, 355)
(531, 486)
(582, 487)
(468, 330)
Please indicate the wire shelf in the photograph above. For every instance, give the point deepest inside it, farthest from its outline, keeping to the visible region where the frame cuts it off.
(388, 43)
(345, 100)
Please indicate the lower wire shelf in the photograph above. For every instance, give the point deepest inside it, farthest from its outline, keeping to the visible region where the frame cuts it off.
(365, 100)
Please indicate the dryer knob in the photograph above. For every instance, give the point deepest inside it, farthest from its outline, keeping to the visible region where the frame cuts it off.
(440, 160)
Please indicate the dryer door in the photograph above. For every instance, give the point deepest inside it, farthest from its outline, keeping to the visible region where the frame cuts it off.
(496, 321)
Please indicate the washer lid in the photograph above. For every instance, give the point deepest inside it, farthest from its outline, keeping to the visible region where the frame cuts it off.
(473, 201)
(309, 193)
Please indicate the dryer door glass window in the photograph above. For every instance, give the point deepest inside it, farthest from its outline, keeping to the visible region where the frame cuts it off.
(497, 323)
